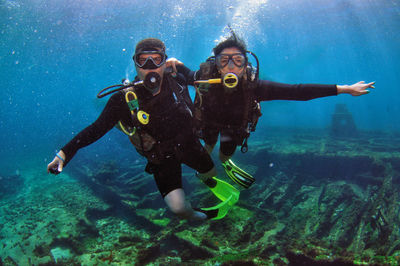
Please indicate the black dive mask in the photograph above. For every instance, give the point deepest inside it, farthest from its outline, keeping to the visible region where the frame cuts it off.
(237, 59)
(154, 60)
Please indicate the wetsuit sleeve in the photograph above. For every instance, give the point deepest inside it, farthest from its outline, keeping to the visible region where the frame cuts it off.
(190, 75)
(104, 123)
(268, 90)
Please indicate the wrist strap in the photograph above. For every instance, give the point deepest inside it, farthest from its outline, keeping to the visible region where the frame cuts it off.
(58, 155)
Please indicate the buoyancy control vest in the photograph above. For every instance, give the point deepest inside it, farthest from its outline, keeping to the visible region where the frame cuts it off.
(148, 145)
(251, 109)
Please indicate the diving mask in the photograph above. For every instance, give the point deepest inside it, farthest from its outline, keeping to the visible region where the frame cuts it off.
(149, 59)
(238, 59)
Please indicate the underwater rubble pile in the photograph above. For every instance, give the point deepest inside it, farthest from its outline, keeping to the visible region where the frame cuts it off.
(317, 199)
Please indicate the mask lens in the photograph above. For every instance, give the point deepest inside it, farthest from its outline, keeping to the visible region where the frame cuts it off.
(223, 60)
(141, 60)
(238, 60)
(157, 59)
(149, 59)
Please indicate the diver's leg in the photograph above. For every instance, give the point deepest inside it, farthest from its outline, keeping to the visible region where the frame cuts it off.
(168, 177)
(227, 149)
(223, 157)
(227, 146)
(210, 137)
(196, 157)
(176, 202)
(209, 174)
(209, 147)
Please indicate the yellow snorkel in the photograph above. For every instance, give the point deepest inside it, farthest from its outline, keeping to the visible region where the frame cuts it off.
(230, 80)
(208, 81)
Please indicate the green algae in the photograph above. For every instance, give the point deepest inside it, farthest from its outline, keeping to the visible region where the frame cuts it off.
(161, 222)
(240, 256)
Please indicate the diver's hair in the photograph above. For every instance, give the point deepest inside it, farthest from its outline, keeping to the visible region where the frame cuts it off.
(232, 41)
(149, 44)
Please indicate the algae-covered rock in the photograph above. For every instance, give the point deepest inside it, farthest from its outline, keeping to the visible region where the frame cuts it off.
(59, 254)
(316, 200)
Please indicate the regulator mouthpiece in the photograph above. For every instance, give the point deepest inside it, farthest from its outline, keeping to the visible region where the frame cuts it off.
(230, 80)
(152, 82)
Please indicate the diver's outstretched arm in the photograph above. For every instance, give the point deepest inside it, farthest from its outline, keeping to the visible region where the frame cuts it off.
(178, 67)
(56, 166)
(357, 89)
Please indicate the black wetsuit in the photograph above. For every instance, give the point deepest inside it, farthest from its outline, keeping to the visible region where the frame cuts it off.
(223, 112)
(169, 122)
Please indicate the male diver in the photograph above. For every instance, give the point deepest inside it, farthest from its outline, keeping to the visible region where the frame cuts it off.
(155, 112)
(228, 93)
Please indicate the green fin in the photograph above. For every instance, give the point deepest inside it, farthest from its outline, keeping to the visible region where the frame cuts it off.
(238, 175)
(221, 209)
(224, 191)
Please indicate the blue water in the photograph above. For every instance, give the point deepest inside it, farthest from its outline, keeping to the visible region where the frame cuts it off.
(56, 55)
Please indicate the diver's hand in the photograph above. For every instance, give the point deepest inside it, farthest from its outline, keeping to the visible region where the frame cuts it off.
(173, 62)
(56, 166)
(357, 89)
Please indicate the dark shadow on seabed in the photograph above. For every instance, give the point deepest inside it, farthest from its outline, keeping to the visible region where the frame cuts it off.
(119, 188)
